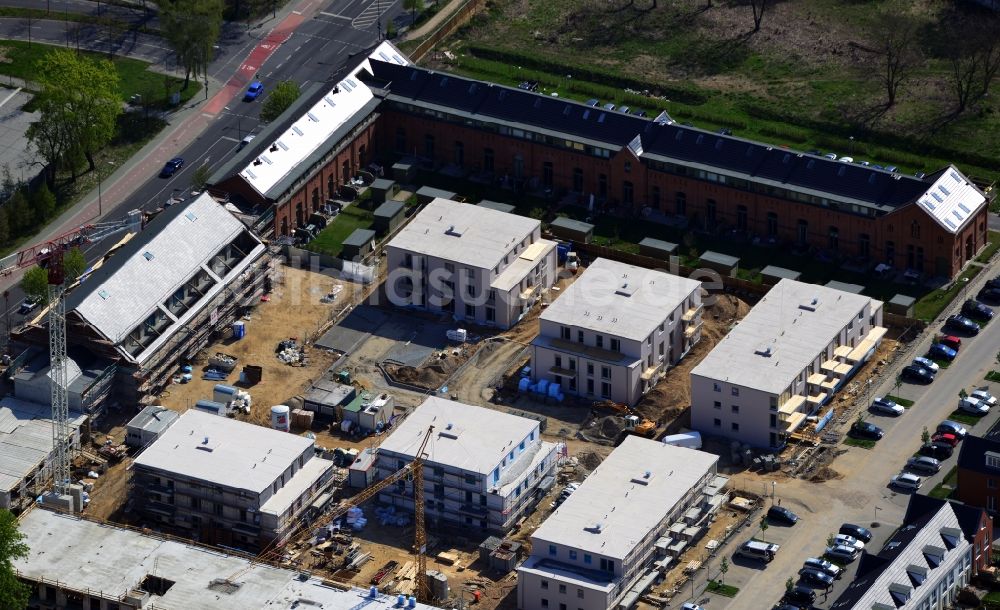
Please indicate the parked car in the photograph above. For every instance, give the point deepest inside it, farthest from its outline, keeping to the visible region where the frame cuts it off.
(246, 140)
(253, 91)
(953, 427)
(725, 131)
(780, 514)
(951, 341)
(984, 396)
(945, 437)
(609, 106)
(989, 293)
(891, 168)
(842, 553)
(831, 156)
(941, 352)
(861, 533)
(799, 595)
(940, 451)
(927, 363)
(916, 373)
(846, 159)
(977, 311)
(815, 563)
(171, 167)
(815, 578)
(906, 481)
(886, 407)
(848, 540)
(593, 102)
(639, 113)
(923, 464)
(691, 606)
(973, 406)
(29, 305)
(863, 429)
(962, 324)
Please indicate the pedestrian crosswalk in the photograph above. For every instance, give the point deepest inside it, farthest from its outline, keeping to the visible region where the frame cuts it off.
(371, 14)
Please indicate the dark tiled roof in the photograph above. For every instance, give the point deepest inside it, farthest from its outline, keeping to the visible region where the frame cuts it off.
(688, 145)
(969, 517)
(972, 454)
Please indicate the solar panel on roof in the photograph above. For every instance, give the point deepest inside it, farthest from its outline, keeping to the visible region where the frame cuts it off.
(600, 119)
(413, 75)
(943, 190)
(964, 208)
(957, 215)
(950, 224)
(586, 114)
(567, 109)
(329, 100)
(786, 158)
(871, 178)
(353, 84)
(680, 134)
(811, 163)
(312, 117)
(929, 204)
(842, 170)
(383, 55)
(282, 145)
(955, 176)
(298, 132)
(700, 137)
(718, 144)
(346, 86)
(443, 82)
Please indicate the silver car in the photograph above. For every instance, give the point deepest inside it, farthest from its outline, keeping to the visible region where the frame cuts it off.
(923, 464)
(906, 481)
(842, 553)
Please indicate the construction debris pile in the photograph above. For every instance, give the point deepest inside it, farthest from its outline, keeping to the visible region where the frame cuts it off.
(355, 518)
(291, 352)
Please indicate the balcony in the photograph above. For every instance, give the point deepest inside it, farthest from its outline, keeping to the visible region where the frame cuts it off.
(558, 370)
(815, 400)
(651, 372)
(692, 329)
(791, 407)
(794, 422)
(692, 313)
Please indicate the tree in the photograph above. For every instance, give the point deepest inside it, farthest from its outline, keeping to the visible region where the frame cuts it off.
(13, 593)
(191, 27)
(973, 53)
(763, 526)
(283, 95)
(895, 52)
(390, 29)
(44, 204)
(4, 227)
(414, 6)
(200, 177)
(757, 6)
(723, 568)
(21, 219)
(79, 104)
(35, 283)
(831, 540)
(789, 584)
(925, 435)
(74, 264)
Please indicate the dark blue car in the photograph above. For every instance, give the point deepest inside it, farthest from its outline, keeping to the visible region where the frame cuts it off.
(942, 352)
(170, 167)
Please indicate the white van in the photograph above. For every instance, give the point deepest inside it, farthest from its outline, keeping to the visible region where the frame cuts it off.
(755, 549)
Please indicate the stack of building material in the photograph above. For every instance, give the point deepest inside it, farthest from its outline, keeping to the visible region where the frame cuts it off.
(302, 419)
(356, 518)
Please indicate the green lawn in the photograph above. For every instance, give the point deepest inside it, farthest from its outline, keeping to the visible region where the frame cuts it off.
(963, 417)
(723, 589)
(864, 443)
(331, 239)
(934, 302)
(706, 66)
(994, 245)
(906, 403)
(941, 362)
(946, 486)
(993, 376)
(136, 78)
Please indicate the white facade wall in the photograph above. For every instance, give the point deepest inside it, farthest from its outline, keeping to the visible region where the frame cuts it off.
(604, 366)
(491, 501)
(436, 284)
(751, 415)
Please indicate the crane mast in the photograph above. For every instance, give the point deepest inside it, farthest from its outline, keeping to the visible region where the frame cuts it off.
(57, 364)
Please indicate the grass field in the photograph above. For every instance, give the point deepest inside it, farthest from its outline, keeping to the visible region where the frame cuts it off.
(964, 418)
(19, 59)
(906, 403)
(807, 79)
(331, 239)
(864, 443)
(946, 486)
(723, 589)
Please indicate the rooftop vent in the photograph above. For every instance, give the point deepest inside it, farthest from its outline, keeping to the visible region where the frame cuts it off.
(594, 528)
(274, 147)
(811, 305)
(764, 350)
(625, 289)
(452, 230)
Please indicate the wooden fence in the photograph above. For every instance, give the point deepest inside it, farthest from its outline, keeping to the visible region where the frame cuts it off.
(454, 21)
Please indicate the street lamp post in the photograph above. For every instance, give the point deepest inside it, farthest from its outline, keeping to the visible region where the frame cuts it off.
(773, 485)
(875, 522)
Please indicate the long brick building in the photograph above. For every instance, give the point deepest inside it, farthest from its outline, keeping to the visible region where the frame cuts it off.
(657, 168)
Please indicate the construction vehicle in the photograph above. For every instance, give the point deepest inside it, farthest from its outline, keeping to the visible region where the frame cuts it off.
(415, 471)
(634, 423)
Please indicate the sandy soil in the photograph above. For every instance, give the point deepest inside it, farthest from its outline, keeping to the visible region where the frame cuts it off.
(294, 310)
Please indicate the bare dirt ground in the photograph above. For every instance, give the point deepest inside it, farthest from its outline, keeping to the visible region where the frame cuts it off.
(294, 310)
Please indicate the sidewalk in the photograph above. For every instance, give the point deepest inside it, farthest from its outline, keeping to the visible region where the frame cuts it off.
(185, 125)
(432, 24)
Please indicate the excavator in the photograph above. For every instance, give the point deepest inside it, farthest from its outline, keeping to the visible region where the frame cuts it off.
(634, 423)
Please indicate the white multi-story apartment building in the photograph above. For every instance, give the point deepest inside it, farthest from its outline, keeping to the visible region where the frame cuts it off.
(227, 482)
(783, 362)
(616, 330)
(922, 567)
(478, 264)
(483, 468)
(596, 551)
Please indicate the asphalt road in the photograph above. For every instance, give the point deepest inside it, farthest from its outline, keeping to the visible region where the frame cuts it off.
(306, 46)
(862, 495)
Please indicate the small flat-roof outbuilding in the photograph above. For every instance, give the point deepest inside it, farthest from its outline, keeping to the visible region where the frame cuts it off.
(901, 304)
(845, 287)
(358, 244)
(723, 263)
(574, 230)
(388, 216)
(148, 425)
(496, 205)
(657, 248)
(774, 274)
(427, 194)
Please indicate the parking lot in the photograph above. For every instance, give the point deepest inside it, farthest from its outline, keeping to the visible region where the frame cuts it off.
(861, 493)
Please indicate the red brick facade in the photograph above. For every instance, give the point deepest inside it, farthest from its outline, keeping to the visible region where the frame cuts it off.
(905, 238)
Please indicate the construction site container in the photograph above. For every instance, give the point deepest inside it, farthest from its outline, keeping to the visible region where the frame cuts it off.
(211, 406)
(280, 419)
(691, 440)
(239, 330)
(223, 393)
(251, 374)
(361, 472)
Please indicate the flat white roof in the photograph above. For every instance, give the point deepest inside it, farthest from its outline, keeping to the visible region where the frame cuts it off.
(223, 451)
(952, 199)
(525, 262)
(477, 440)
(303, 479)
(85, 555)
(25, 438)
(620, 300)
(316, 126)
(622, 499)
(782, 334)
(463, 233)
